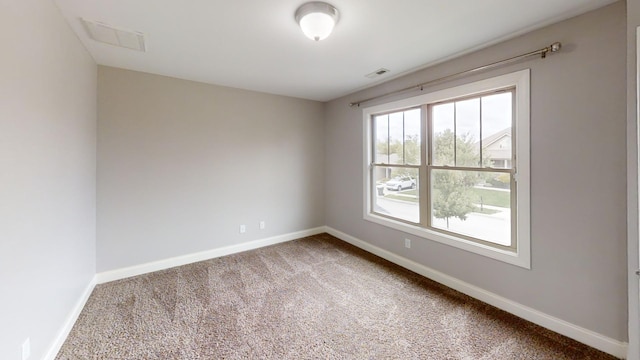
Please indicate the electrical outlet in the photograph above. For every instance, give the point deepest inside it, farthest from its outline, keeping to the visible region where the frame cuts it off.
(26, 349)
(263, 225)
(407, 243)
(243, 229)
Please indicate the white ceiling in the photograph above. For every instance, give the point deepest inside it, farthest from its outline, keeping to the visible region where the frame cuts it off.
(257, 45)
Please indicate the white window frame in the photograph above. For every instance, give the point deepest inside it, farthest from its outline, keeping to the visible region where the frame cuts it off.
(521, 81)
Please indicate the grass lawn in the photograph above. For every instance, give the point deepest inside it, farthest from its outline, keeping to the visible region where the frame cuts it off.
(492, 197)
(400, 197)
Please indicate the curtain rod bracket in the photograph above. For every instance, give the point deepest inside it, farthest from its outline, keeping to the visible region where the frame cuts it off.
(555, 47)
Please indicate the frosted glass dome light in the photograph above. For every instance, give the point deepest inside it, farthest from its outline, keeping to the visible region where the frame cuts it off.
(317, 19)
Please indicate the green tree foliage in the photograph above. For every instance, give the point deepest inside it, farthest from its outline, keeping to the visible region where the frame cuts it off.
(382, 147)
(466, 153)
(407, 153)
(402, 154)
(452, 195)
(412, 150)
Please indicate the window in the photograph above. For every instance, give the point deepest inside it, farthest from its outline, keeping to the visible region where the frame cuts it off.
(397, 152)
(453, 166)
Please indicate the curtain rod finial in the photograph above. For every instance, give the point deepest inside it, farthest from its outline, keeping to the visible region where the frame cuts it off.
(555, 47)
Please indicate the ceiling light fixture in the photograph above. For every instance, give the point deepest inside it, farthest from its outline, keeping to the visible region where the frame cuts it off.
(317, 19)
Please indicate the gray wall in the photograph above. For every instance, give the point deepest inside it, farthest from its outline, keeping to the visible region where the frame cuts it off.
(48, 174)
(633, 21)
(578, 152)
(182, 164)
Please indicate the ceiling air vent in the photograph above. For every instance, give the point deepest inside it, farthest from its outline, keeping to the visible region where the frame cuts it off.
(377, 73)
(108, 34)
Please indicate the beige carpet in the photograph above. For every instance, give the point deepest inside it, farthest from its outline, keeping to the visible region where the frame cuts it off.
(314, 298)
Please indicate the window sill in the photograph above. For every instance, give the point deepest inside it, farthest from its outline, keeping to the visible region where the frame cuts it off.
(520, 258)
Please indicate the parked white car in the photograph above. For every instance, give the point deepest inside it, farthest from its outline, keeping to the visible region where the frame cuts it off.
(401, 182)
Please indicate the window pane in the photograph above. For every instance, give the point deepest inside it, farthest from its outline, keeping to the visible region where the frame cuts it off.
(443, 133)
(381, 126)
(412, 137)
(497, 119)
(396, 193)
(396, 137)
(467, 122)
(472, 203)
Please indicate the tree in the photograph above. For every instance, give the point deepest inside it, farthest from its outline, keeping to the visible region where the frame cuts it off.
(465, 154)
(401, 153)
(451, 195)
(412, 149)
(382, 147)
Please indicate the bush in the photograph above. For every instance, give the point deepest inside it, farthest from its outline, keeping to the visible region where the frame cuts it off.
(501, 181)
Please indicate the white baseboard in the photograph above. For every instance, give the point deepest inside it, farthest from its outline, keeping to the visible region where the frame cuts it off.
(123, 273)
(585, 336)
(70, 321)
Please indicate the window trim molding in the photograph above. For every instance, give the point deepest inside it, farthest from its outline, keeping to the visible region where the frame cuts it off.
(521, 81)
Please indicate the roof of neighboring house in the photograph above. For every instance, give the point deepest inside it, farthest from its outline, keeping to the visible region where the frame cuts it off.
(496, 136)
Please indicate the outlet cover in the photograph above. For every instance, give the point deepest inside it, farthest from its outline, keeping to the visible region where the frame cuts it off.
(243, 229)
(263, 225)
(407, 243)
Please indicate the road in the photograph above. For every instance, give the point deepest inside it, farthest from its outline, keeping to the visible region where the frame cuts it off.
(494, 228)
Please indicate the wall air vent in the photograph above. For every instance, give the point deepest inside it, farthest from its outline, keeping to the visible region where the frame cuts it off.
(108, 34)
(377, 73)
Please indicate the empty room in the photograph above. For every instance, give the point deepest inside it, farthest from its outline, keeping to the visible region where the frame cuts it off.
(416, 179)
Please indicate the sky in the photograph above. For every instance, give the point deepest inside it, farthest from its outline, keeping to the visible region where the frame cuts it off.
(496, 111)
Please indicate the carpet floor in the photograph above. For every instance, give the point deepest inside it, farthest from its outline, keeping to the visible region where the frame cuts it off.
(313, 298)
